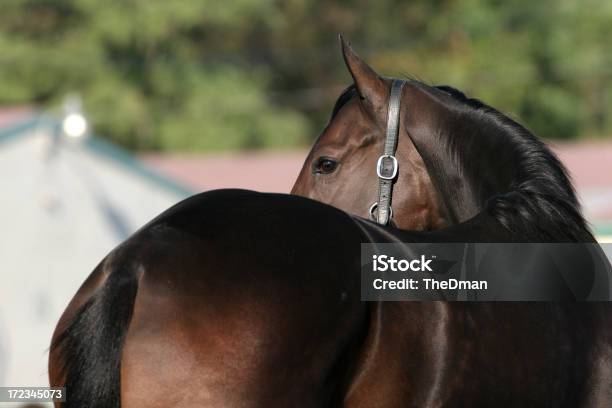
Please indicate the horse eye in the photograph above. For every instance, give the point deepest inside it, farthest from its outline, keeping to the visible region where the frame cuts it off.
(325, 165)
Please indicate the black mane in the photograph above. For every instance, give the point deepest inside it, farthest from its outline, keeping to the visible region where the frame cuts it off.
(541, 202)
(344, 97)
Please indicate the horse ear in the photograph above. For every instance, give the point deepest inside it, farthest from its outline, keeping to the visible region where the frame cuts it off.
(371, 87)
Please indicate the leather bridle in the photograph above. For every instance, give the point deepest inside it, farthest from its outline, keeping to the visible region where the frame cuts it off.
(386, 166)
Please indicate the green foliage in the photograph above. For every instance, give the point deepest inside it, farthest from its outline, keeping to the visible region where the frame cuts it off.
(209, 75)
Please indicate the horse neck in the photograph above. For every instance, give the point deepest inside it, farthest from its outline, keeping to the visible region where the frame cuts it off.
(416, 201)
(511, 174)
(467, 168)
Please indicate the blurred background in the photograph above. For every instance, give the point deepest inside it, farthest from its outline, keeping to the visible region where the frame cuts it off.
(111, 111)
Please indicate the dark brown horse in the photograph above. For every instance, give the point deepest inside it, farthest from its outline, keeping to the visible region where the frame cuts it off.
(240, 299)
(470, 168)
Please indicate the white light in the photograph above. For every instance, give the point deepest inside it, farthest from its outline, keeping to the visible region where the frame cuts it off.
(74, 125)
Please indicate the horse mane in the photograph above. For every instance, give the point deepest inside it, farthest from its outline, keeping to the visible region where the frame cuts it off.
(344, 97)
(541, 202)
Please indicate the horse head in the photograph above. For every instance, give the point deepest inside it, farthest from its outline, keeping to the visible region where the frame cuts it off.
(341, 167)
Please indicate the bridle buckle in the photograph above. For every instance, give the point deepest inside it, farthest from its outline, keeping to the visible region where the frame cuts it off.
(382, 171)
(374, 208)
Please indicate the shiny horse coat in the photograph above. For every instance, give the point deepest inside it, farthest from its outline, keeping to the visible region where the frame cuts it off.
(209, 306)
(241, 299)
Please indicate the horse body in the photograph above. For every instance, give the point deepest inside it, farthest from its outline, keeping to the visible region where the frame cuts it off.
(242, 299)
(249, 316)
(438, 354)
(290, 330)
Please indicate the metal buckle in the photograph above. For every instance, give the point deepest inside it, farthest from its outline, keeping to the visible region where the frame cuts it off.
(379, 167)
(373, 208)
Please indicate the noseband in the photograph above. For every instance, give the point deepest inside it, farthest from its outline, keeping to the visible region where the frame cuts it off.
(387, 167)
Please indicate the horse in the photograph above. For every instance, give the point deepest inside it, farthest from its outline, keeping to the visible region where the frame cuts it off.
(471, 173)
(235, 298)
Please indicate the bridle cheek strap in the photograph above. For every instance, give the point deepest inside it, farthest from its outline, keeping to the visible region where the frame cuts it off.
(387, 167)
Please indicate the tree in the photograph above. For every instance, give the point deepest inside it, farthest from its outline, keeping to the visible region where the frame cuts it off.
(207, 75)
